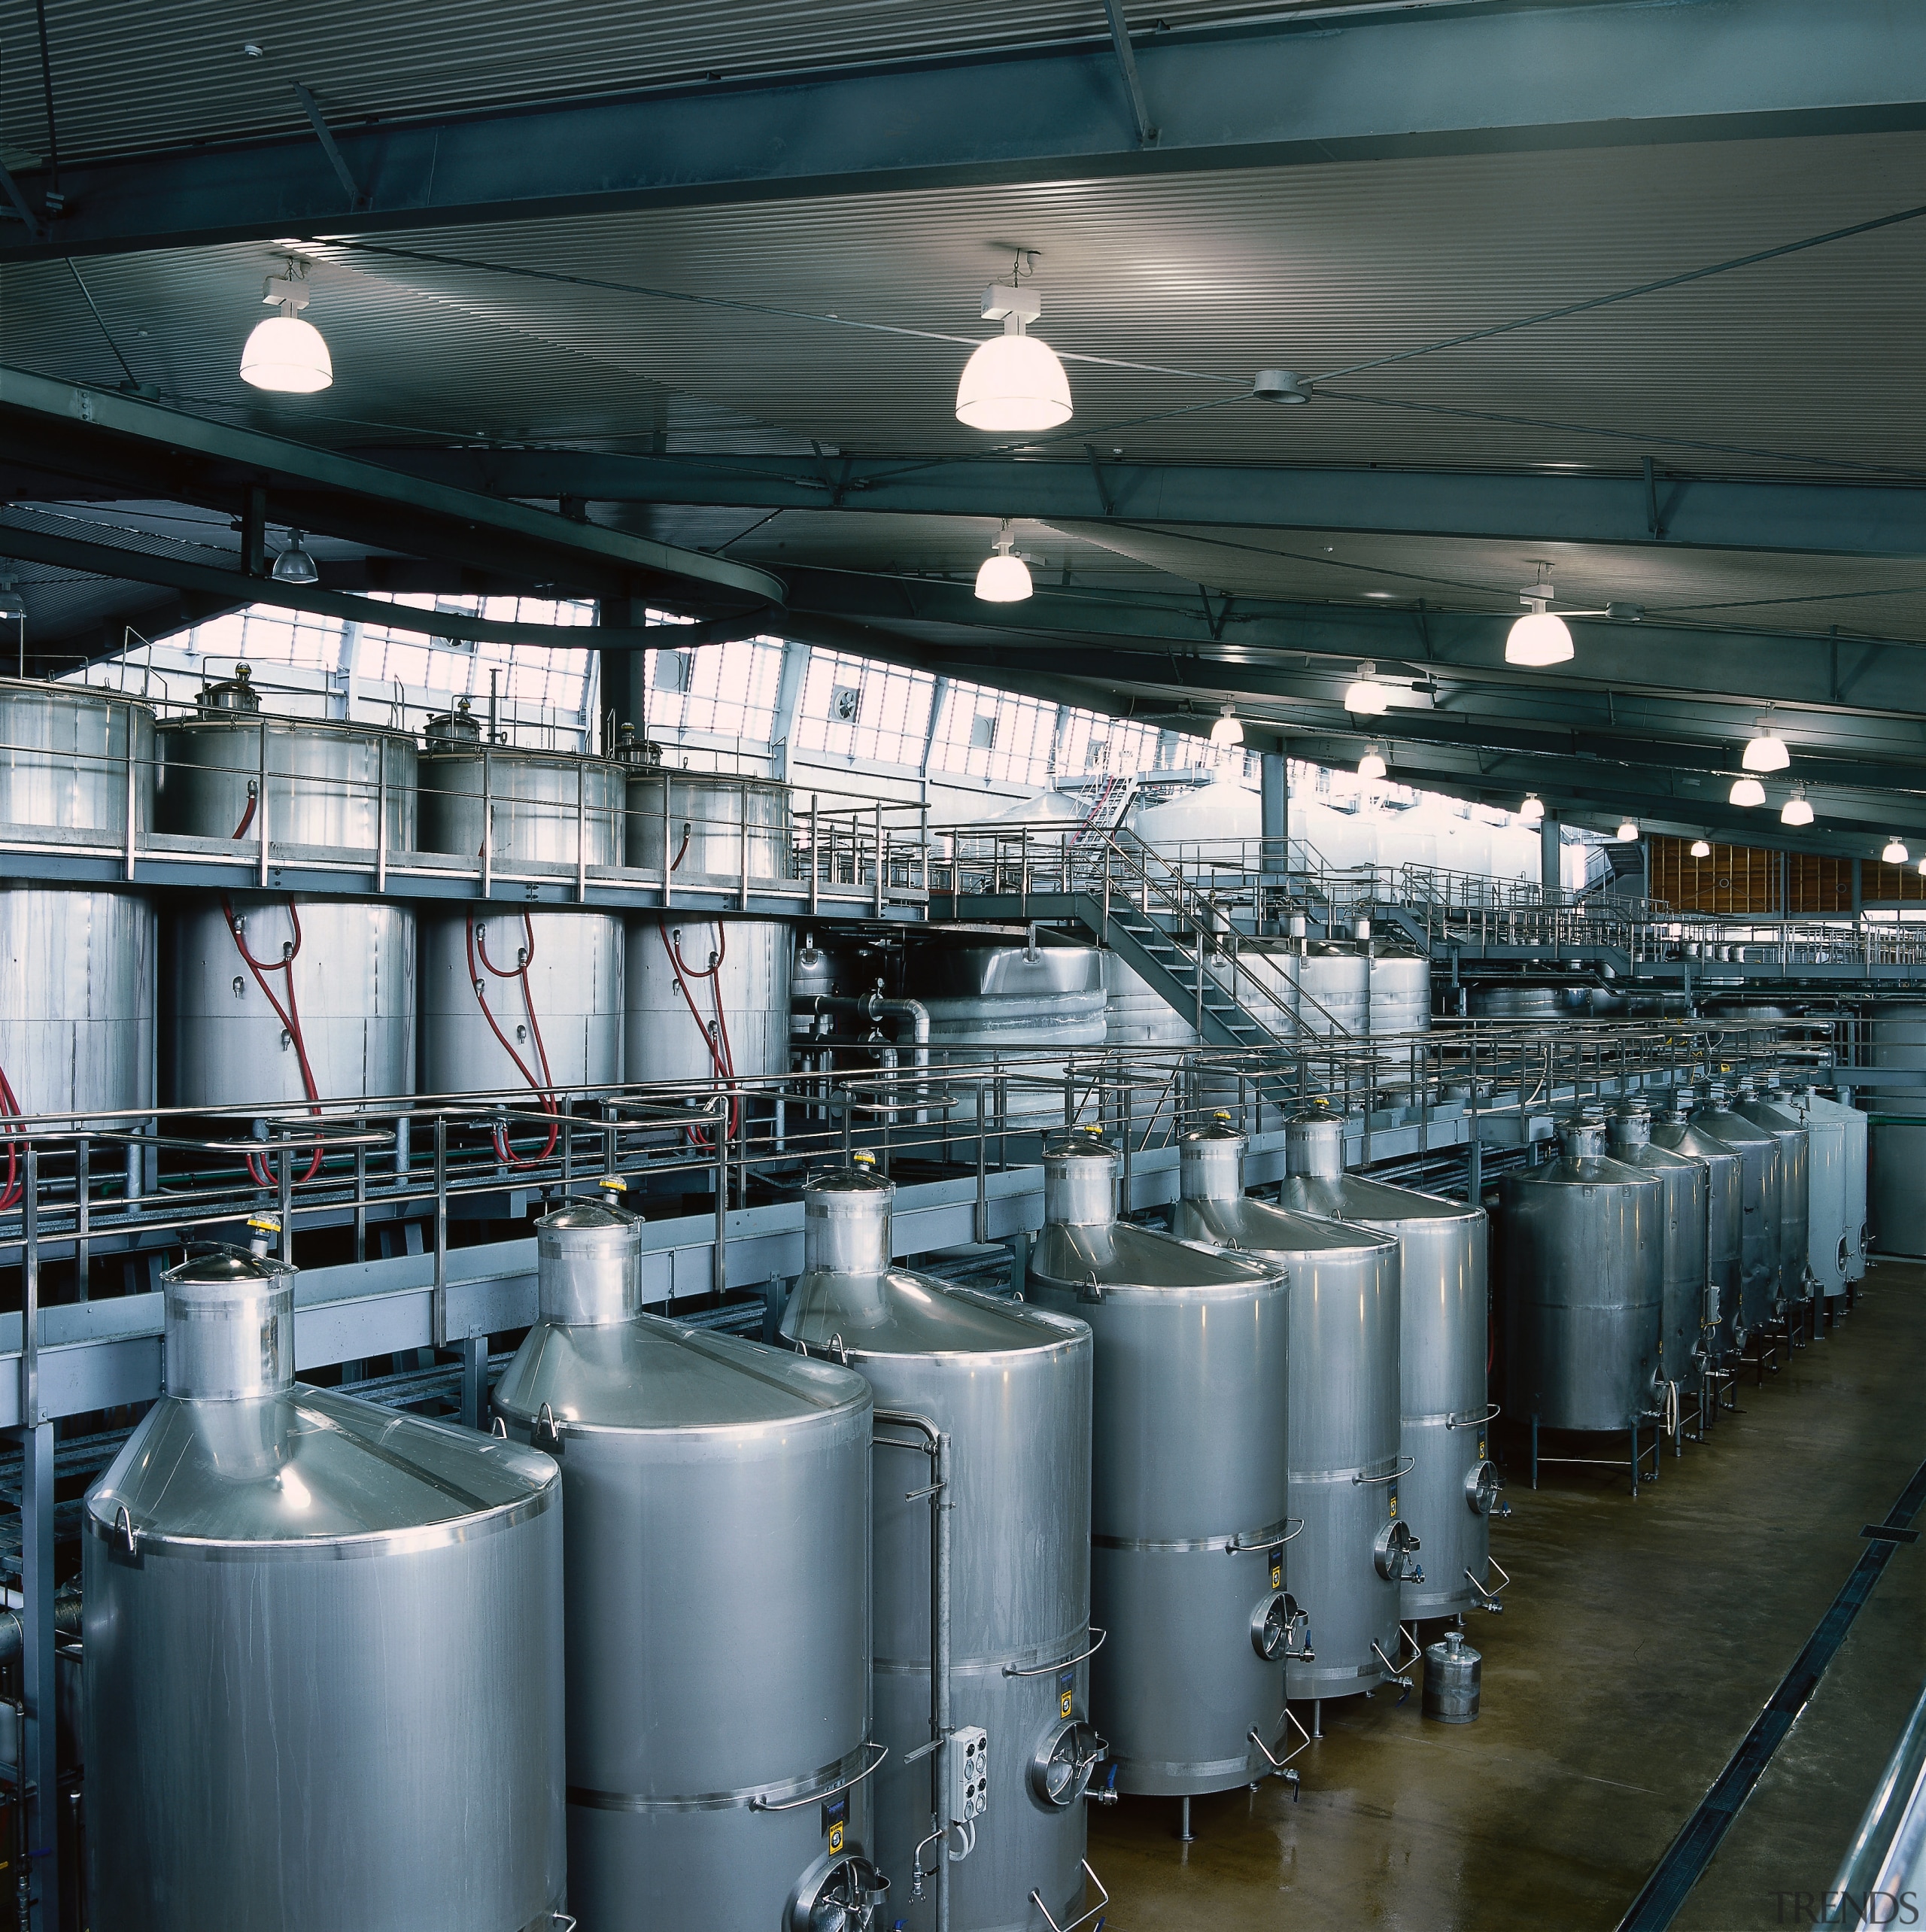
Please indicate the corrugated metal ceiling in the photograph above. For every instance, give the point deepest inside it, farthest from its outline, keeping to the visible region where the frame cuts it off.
(129, 76)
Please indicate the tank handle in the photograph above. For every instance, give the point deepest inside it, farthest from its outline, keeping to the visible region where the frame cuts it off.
(1468, 1420)
(123, 1527)
(1281, 1766)
(1247, 1540)
(848, 1784)
(1103, 1900)
(1046, 1669)
(1411, 1463)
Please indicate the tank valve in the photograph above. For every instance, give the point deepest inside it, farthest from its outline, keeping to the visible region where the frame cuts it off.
(1104, 1793)
(261, 1228)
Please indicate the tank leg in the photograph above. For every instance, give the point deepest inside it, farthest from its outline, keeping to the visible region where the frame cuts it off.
(1184, 1833)
(1317, 1717)
(1534, 1452)
(1635, 1460)
(474, 1379)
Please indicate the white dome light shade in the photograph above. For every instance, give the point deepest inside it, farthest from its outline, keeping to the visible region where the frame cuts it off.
(1628, 829)
(1228, 733)
(294, 565)
(1894, 853)
(1747, 791)
(1797, 810)
(1371, 765)
(287, 355)
(1767, 752)
(1701, 849)
(1013, 382)
(1539, 638)
(1922, 868)
(1531, 811)
(1364, 697)
(1003, 579)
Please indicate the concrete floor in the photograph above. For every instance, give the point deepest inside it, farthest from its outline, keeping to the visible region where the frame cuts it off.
(1639, 1641)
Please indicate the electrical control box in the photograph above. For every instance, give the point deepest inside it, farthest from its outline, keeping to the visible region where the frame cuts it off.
(969, 1773)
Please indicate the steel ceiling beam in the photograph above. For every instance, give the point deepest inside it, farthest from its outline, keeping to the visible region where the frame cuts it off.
(1677, 513)
(1429, 80)
(105, 435)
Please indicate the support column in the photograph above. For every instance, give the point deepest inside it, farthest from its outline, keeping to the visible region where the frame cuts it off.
(1551, 839)
(39, 1689)
(1273, 782)
(623, 699)
(788, 702)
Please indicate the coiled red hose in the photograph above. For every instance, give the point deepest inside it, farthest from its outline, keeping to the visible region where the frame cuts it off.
(543, 1088)
(721, 1054)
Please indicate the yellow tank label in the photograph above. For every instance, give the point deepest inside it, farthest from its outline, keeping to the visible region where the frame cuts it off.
(835, 1838)
(1063, 1705)
(1394, 1502)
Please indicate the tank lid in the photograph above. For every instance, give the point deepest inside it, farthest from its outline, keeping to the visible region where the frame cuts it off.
(628, 749)
(1077, 1144)
(860, 1177)
(1218, 1128)
(230, 694)
(458, 727)
(901, 1313)
(210, 1264)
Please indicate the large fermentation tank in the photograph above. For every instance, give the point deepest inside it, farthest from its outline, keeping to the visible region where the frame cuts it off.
(1828, 1242)
(1031, 1004)
(1685, 1235)
(527, 999)
(1355, 1550)
(74, 758)
(1400, 1001)
(273, 998)
(1763, 1110)
(1758, 1152)
(1189, 1481)
(1676, 1131)
(1010, 1386)
(1816, 1108)
(1450, 1488)
(1135, 1014)
(707, 998)
(1334, 993)
(712, 826)
(1896, 1041)
(77, 1002)
(718, 1605)
(323, 1666)
(1584, 1287)
(1495, 1002)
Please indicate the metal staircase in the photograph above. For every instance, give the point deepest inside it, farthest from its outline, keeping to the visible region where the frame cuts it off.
(1108, 807)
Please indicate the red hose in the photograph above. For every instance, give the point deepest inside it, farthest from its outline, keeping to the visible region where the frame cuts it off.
(721, 1054)
(543, 1088)
(290, 1015)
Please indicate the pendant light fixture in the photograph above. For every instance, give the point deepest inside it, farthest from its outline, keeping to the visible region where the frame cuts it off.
(1538, 638)
(1766, 751)
(295, 565)
(1013, 381)
(1364, 697)
(1922, 868)
(1228, 732)
(1797, 810)
(1628, 830)
(1701, 849)
(284, 353)
(1003, 577)
(1531, 811)
(1747, 791)
(1895, 852)
(1371, 765)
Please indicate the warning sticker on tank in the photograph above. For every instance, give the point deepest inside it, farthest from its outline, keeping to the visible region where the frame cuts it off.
(1394, 1502)
(1277, 1566)
(835, 1821)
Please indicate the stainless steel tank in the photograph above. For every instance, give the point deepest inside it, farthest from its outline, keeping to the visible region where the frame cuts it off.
(1135, 1014)
(707, 998)
(1828, 1242)
(77, 1000)
(1450, 1488)
(323, 1672)
(1584, 1286)
(1675, 1130)
(1685, 1236)
(235, 769)
(1517, 1002)
(718, 1633)
(1189, 1483)
(1334, 993)
(552, 808)
(1400, 1003)
(1763, 1110)
(65, 755)
(1851, 1123)
(273, 998)
(1032, 1005)
(715, 827)
(1356, 1551)
(523, 1000)
(1010, 1385)
(1896, 1040)
(1758, 1151)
